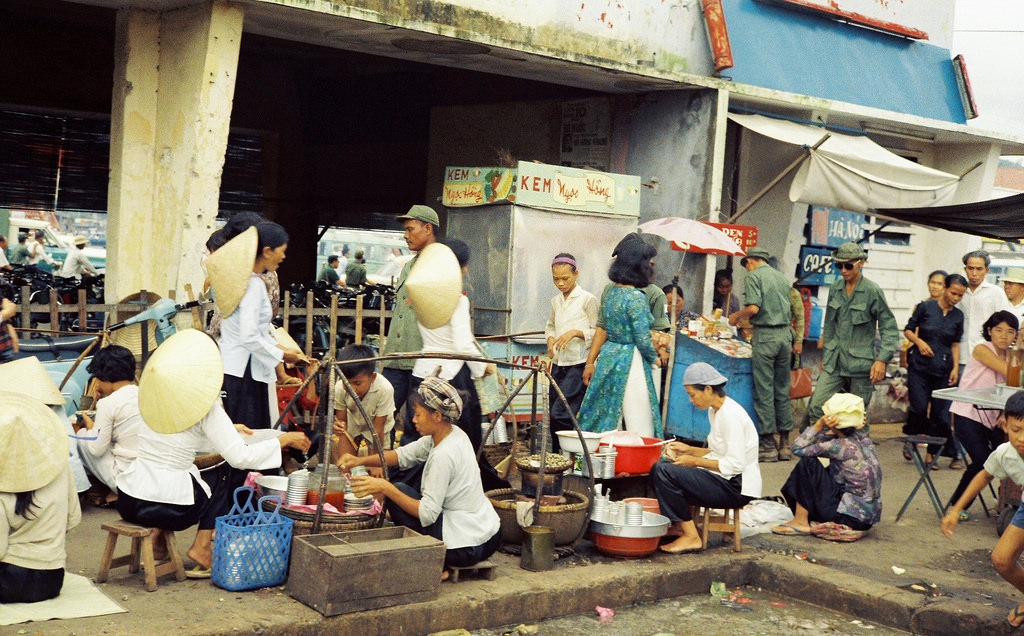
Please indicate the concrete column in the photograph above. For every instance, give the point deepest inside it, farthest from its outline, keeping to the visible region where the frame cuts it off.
(174, 81)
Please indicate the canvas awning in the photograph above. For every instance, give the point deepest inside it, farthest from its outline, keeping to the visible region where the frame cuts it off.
(1001, 219)
(852, 172)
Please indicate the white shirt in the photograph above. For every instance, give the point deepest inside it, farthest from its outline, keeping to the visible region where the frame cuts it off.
(246, 334)
(578, 311)
(164, 469)
(116, 429)
(451, 484)
(379, 401)
(1005, 462)
(454, 337)
(38, 542)
(733, 442)
(977, 306)
(3, 259)
(76, 263)
(36, 253)
(1018, 310)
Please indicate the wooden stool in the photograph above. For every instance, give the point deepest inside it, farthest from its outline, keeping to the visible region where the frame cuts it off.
(711, 522)
(142, 546)
(487, 569)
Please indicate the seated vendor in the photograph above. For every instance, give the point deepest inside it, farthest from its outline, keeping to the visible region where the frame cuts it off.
(375, 393)
(723, 475)
(451, 505)
(843, 501)
(108, 443)
(38, 502)
(179, 399)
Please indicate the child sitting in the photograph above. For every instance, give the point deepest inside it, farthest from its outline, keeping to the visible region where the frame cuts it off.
(377, 396)
(110, 443)
(1006, 461)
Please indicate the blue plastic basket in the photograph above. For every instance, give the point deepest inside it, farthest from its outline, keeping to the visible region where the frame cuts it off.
(252, 546)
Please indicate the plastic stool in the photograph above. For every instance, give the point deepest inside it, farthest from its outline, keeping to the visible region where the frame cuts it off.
(728, 522)
(142, 546)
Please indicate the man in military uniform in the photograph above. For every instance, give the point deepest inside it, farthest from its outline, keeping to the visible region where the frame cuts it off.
(355, 273)
(766, 304)
(856, 309)
(421, 225)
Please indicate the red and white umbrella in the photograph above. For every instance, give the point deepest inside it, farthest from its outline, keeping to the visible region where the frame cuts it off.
(687, 234)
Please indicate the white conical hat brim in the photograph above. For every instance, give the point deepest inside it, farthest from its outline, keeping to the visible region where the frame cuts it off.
(229, 269)
(130, 337)
(28, 376)
(434, 285)
(285, 339)
(33, 443)
(181, 382)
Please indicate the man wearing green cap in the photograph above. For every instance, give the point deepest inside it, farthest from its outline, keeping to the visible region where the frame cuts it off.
(421, 225)
(766, 298)
(355, 272)
(856, 309)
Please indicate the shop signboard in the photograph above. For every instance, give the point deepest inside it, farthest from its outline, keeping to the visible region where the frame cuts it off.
(833, 227)
(576, 189)
(816, 266)
(744, 235)
(477, 186)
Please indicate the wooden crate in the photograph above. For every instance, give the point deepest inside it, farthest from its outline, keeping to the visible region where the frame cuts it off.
(360, 570)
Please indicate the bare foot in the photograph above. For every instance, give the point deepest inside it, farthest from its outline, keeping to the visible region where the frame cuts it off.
(683, 544)
(203, 558)
(444, 575)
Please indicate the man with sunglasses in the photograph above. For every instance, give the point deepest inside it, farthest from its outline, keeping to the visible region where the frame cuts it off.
(856, 309)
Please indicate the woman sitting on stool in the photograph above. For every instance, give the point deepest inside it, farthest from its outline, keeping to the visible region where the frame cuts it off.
(843, 501)
(723, 475)
(451, 505)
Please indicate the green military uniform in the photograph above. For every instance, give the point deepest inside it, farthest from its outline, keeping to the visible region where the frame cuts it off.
(328, 274)
(797, 311)
(848, 334)
(404, 332)
(19, 254)
(772, 346)
(355, 274)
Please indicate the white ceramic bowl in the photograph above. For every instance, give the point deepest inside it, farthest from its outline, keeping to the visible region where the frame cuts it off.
(570, 441)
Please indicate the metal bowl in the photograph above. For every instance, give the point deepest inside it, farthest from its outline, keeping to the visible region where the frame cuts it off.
(654, 526)
(270, 485)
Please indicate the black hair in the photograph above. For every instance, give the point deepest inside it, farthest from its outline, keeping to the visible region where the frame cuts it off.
(952, 279)
(357, 352)
(459, 248)
(272, 235)
(216, 241)
(564, 255)
(672, 287)
(722, 275)
(978, 254)
(241, 222)
(995, 319)
(938, 272)
(1014, 406)
(629, 240)
(22, 503)
(632, 266)
(717, 389)
(333, 258)
(22, 237)
(113, 364)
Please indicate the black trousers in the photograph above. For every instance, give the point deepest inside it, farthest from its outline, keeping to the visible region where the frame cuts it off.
(921, 421)
(471, 416)
(399, 379)
(457, 557)
(811, 486)
(979, 441)
(570, 381)
(679, 487)
(222, 480)
(247, 401)
(24, 585)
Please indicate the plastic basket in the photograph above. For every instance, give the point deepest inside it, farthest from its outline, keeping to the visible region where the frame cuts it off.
(251, 547)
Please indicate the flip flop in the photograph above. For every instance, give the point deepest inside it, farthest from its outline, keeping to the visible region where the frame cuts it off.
(687, 551)
(198, 572)
(843, 534)
(792, 532)
(819, 529)
(1018, 614)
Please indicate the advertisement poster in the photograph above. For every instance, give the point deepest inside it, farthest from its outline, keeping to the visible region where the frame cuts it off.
(586, 134)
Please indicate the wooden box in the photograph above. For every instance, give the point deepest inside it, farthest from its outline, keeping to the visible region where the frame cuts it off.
(364, 569)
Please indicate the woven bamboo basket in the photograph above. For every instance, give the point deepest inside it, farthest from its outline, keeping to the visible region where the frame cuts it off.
(567, 520)
(329, 522)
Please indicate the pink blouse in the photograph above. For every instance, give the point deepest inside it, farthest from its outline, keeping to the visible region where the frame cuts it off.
(978, 376)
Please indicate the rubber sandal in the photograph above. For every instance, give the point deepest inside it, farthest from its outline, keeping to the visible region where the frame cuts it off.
(956, 464)
(198, 572)
(964, 515)
(1017, 613)
(789, 531)
(906, 452)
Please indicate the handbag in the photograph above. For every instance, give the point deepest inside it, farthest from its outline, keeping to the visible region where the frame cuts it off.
(251, 546)
(800, 385)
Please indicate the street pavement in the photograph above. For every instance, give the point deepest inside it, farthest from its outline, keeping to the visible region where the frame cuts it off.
(904, 575)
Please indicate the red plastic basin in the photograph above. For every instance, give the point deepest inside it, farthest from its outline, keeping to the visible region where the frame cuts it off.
(627, 547)
(637, 460)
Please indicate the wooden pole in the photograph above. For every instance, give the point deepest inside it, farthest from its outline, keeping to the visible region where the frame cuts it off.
(82, 318)
(359, 319)
(309, 324)
(54, 320)
(332, 346)
(197, 321)
(782, 175)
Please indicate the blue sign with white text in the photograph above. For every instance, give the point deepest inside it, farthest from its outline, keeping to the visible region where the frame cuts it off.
(834, 227)
(816, 266)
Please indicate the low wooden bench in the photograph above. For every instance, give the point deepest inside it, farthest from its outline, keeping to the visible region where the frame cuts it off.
(725, 521)
(141, 552)
(486, 569)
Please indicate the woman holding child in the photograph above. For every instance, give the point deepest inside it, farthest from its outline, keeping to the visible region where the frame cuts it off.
(450, 504)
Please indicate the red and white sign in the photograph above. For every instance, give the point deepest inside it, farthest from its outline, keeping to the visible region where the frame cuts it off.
(744, 235)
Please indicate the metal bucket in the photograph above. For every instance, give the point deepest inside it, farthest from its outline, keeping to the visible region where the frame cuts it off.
(538, 550)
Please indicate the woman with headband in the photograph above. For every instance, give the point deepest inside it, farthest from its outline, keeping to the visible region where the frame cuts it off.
(451, 505)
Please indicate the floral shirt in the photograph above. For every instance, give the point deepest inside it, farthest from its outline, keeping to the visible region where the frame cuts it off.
(854, 466)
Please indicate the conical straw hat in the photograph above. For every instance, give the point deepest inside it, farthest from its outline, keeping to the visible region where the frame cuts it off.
(33, 443)
(130, 337)
(434, 285)
(229, 269)
(181, 382)
(28, 376)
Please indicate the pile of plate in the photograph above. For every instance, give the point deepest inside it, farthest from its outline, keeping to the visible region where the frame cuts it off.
(354, 503)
